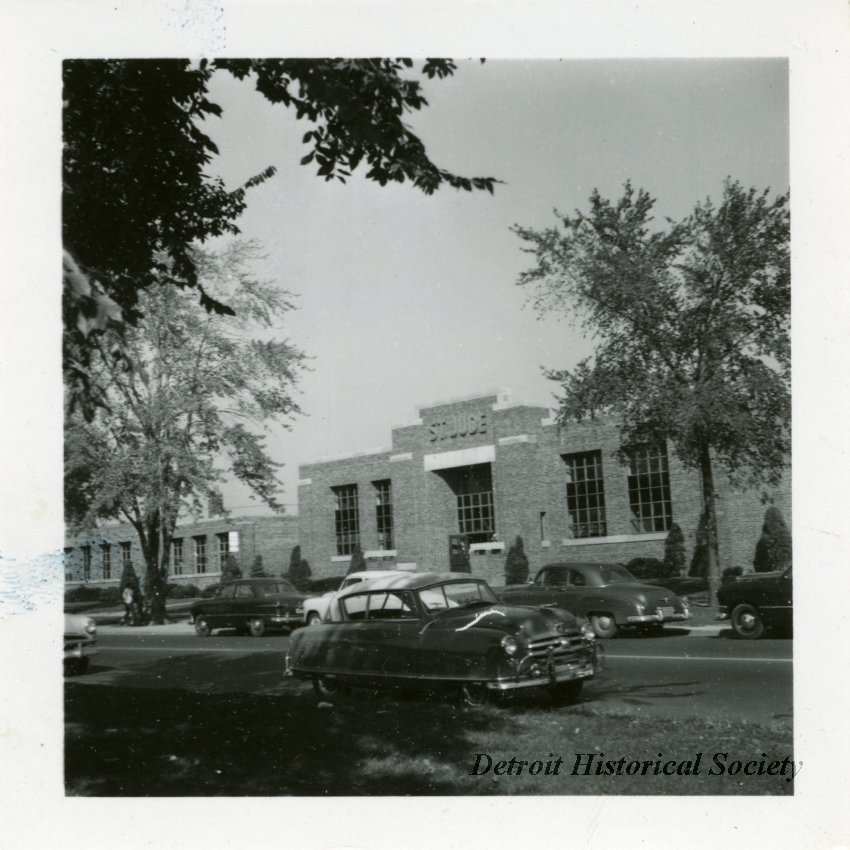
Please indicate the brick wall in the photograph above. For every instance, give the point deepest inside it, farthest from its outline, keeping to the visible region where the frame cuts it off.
(272, 537)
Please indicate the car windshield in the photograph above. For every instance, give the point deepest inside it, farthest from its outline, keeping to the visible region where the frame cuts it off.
(275, 588)
(615, 574)
(456, 594)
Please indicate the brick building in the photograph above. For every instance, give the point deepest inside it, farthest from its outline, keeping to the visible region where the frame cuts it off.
(472, 474)
(198, 554)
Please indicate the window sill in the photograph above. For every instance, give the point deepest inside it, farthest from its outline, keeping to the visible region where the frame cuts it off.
(486, 548)
(379, 554)
(614, 538)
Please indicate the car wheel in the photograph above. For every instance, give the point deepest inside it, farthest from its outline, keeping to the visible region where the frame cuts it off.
(328, 687)
(314, 619)
(604, 625)
(475, 694)
(256, 627)
(202, 627)
(747, 622)
(567, 693)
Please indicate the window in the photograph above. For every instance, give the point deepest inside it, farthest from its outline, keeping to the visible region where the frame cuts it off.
(384, 513)
(86, 563)
(106, 560)
(223, 549)
(346, 519)
(177, 556)
(474, 491)
(126, 555)
(585, 494)
(649, 490)
(200, 554)
(69, 574)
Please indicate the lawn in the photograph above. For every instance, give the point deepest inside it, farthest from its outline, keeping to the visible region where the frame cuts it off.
(149, 742)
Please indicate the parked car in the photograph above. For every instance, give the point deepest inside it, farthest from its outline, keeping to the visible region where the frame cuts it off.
(607, 595)
(316, 607)
(757, 602)
(250, 605)
(80, 643)
(427, 629)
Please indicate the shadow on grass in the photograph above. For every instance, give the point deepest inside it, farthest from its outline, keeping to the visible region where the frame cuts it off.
(138, 737)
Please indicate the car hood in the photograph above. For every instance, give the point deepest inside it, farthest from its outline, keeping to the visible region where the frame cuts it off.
(531, 622)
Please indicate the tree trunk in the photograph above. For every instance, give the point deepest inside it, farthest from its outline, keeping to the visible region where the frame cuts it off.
(709, 509)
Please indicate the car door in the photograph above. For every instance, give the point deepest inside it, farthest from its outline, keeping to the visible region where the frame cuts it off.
(774, 599)
(218, 611)
(245, 605)
(387, 635)
(549, 588)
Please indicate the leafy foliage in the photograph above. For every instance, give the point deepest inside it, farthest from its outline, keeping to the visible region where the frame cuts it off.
(194, 407)
(692, 324)
(773, 550)
(646, 568)
(674, 552)
(139, 191)
(516, 563)
(358, 562)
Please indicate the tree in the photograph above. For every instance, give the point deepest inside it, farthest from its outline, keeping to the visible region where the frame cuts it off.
(294, 558)
(516, 563)
(700, 560)
(194, 407)
(139, 191)
(358, 562)
(299, 574)
(257, 569)
(773, 550)
(674, 552)
(232, 570)
(692, 322)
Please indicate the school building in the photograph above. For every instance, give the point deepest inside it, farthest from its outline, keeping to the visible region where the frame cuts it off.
(460, 483)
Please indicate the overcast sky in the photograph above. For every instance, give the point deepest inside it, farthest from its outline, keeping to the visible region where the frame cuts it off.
(406, 299)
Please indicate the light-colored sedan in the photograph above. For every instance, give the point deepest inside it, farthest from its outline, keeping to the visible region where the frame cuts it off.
(80, 643)
(316, 607)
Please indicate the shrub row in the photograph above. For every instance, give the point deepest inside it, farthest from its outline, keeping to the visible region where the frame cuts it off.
(112, 595)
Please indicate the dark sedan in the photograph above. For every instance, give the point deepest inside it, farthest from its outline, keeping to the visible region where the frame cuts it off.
(757, 602)
(250, 605)
(607, 595)
(430, 629)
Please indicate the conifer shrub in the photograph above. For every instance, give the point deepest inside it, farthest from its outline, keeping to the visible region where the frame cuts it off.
(516, 563)
(773, 550)
(358, 562)
(674, 552)
(232, 570)
(257, 568)
(300, 573)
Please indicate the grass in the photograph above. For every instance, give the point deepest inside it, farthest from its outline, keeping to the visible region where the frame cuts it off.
(150, 742)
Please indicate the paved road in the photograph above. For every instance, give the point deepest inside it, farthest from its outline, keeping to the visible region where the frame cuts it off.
(708, 674)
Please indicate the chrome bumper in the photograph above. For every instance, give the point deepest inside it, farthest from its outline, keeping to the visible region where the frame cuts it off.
(658, 617)
(546, 672)
(287, 619)
(80, 649)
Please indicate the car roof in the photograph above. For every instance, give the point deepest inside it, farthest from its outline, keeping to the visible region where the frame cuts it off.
(407, 581)
(581, 564)
(369, 574)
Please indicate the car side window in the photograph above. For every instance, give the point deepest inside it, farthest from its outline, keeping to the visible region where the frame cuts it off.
(391, 606)
(355, 606)
(244, 591)
(227, 592)
(577, 579)
(555, 578)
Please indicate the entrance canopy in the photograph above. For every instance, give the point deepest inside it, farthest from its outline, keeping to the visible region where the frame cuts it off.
(461, 457)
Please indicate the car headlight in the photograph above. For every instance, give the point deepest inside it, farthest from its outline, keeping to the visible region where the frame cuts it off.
(587, 631)
(510, 645)
(91, 628)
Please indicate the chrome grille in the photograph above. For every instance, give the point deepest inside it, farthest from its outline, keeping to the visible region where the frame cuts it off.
(540, 648)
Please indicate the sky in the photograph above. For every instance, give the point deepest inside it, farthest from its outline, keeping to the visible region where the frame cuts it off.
(406, 299)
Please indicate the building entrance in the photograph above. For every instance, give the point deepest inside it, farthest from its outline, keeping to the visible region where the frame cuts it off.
(459, 553)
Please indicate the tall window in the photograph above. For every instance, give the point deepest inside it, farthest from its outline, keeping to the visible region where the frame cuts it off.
(346, 519)
(384, 513)
(200, 554)
(69, 554)
(86, 563)
(649, 490)
(585, 494)
(223, 541)
(474, 492)
(177, 556)
(126, 554)
(106, 560)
